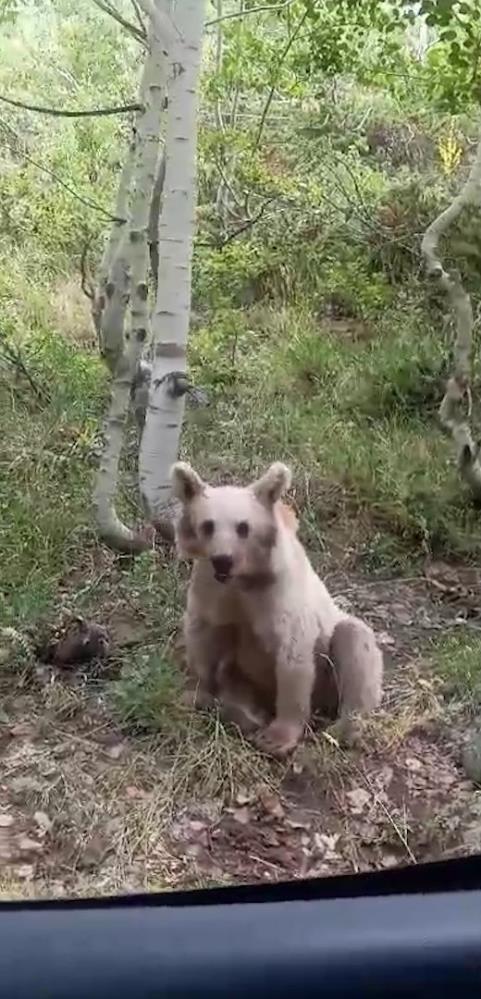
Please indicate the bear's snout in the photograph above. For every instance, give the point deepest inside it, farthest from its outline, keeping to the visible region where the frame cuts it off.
(222, 565)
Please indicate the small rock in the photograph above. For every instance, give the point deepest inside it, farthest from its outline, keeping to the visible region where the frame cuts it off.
(5, 820)
(27, 845)
(385, 639)
(390, 860)
(85, 641)
(43, 821)
(243, 798)
(471, 758)
(242, 816)
(413, 764)
(197, 826)
(358, 800)
(327, 845)
(25, 872)
(19, 785)
(115, 752)
(94, 854)
(298, 823)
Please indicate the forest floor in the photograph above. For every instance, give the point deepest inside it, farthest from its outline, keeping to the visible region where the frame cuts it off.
(90, 806)
(108, 783)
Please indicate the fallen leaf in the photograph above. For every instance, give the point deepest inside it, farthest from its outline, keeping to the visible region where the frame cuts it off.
(5, 820)
(271, 803)
(242, 815)
(243, 798)
(386, 775)
(358, 799)
(385, 639)
(136, 792)
(19, 784)
(22, 729)
(298, 823)
(270, 837)
(327, 845)
(413, 764)
(389, 860)
(197, 826)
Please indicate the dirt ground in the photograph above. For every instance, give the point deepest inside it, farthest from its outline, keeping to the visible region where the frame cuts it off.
(89, 808)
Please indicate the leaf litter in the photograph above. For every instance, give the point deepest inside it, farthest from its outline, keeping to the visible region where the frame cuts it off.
(88, 809)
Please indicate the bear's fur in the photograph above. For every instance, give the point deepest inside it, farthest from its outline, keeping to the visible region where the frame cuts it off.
(262, 633)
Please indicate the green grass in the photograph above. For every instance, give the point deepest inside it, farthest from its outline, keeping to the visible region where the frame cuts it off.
(456, 659)
(361, 434)
(46, 462)
(359, 414)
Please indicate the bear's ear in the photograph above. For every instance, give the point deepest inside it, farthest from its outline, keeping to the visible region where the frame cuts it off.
(273, 484)
(186, 484)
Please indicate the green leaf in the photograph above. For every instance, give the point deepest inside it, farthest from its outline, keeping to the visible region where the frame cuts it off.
(448, 35)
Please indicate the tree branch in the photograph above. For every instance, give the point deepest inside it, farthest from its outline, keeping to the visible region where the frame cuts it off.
(112, 11)
(138, 15)
(14, 357)
(86, 282)
(455, 408)
(57, 113)
(80, 197)
(267, 8)
(247, 224)
(278, 67)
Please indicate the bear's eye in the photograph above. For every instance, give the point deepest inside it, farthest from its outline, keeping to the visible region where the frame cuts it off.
(243, 529)
(207, 528)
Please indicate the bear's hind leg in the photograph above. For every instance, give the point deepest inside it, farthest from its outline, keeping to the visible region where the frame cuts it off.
(357, 664)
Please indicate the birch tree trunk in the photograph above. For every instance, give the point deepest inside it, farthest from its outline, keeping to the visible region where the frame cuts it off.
(170, 321)
(110, 300)
(130, 267)
(455, 409)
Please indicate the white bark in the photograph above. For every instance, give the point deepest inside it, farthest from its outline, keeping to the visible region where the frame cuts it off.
(170, 321)
(455, 409)
(134, 248)
(110, 300)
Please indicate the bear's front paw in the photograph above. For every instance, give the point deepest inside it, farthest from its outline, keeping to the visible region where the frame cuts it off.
(200, 698)
(280, 737)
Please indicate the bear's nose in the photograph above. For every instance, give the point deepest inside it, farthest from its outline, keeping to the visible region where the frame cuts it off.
(222, 565)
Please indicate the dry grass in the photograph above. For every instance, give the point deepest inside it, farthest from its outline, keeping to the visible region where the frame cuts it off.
(70, 311)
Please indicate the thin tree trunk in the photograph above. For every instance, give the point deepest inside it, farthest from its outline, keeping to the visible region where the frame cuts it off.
(111, 529)
(110, 300)
(221, 195)
(276, 73)
(170, 321)
(455, 409)
(235, 100)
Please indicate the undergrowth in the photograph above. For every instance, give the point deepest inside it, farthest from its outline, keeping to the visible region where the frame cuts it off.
(313, 334)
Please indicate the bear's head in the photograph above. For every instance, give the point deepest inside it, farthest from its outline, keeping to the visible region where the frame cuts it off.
(234, 527)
